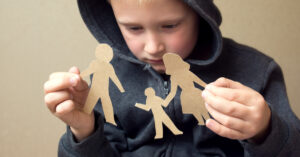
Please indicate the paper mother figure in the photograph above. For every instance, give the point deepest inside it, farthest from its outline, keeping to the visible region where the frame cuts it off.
(154, 103)
(102, 71)
(181, 76)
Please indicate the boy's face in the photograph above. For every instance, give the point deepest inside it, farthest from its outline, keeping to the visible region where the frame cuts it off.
(155, 27)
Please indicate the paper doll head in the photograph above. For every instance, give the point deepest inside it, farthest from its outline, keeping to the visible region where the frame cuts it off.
(149, 92)
(174, 62)
(104, 52)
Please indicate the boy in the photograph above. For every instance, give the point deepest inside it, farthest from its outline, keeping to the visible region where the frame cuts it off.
(251, 115)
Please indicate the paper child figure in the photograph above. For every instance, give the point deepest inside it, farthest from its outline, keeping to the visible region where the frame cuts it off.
(180, 76)
(154, 103)
(102, 71)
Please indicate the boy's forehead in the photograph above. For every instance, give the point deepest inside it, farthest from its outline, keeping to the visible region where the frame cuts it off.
(156, 12)
(141, 2)
(137, 1)
(155, 6)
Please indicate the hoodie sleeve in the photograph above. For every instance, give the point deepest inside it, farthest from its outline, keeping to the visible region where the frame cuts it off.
(95, 145)
(284, 137)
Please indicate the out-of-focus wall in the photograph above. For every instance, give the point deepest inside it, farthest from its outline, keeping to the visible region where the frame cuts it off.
(39, 37)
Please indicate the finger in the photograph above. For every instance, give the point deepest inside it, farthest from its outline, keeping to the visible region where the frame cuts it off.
(223, 131)
(80, 84)
(54, 98)
(57, 75)
(74, 70)
(245, 96)
(227, 121)
(64, 108)
(237, 95)
(224, 106)
(227, 83)
(65, 81)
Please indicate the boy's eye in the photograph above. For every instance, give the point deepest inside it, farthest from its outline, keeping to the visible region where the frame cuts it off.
(134, 28)
(170, 26)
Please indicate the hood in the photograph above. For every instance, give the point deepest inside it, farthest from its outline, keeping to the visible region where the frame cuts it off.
(99, 18)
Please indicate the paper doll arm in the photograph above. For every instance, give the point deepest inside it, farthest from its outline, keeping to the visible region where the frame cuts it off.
(86, 73)
(115, 79)
(197, 79)
(142, 106)
(89, 70)
(171, 94)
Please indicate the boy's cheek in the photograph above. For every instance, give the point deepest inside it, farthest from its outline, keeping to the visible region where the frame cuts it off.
(182, 44)
(135, 47)
(134, 43)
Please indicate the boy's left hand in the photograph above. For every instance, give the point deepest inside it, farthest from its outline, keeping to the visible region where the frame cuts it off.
(239, 112)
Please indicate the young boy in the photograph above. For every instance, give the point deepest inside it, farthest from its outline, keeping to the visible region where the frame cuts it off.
(246, 96)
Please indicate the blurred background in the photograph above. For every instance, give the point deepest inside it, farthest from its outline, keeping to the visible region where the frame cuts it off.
(38, 37)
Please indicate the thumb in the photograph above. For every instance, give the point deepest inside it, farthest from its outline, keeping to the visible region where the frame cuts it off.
(78, 83)
(227, 83)
(74, 70)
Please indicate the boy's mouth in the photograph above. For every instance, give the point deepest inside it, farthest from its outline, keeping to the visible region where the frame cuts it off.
(155, 61)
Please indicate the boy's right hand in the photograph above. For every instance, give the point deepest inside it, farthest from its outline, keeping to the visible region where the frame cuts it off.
(65, 96)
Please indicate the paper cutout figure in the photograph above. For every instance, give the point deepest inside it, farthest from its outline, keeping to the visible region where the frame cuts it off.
(180, 76)
(154, 103)
(102, 71)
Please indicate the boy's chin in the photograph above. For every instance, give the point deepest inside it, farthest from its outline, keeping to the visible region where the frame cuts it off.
(159, 69)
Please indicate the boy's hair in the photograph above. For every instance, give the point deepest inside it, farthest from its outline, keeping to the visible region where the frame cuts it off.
(139, 1)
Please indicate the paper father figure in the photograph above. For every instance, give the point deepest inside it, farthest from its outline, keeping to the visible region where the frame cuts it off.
(180, 76)
(102, 71)
(154, 103)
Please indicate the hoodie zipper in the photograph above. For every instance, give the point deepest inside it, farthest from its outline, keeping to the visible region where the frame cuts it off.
(165, 82)
(166, 88)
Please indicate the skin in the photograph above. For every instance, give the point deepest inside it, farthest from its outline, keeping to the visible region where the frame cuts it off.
(65, 95)
(239, 112)
(171, 27)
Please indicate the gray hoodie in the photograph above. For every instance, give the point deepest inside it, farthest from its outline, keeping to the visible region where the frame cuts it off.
(213, 57)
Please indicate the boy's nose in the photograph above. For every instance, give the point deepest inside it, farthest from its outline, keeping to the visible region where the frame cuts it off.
(154, 46)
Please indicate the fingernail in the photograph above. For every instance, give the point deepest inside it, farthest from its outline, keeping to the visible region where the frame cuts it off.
(209, 124)
(74, 79)
(209, 87)
(206, 105)
(58, 108)
(204, 93)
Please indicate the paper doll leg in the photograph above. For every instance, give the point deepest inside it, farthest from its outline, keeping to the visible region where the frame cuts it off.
(197, 107)
(91, 101)
(168, 122)
(190, 105)
(199, 119)
(204, 112)
(108, 109)
(187, 103)
(158, 129)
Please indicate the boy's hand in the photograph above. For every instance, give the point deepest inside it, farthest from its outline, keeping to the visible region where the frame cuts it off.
(65, 95)
(239, 111)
